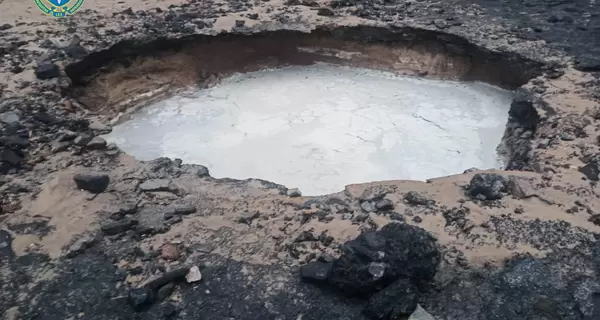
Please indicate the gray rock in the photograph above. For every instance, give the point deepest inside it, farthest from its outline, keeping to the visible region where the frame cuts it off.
(567, 136)
(376, 269)
(384, 205)
(520, 188)
(376, 193)
(83, 139)
(184, 209)
(316, 272)
(295, 192)
(592, 169)
(487, 186)
(97, 143)
(395, 216)
(367, 206)
(115, 227)
(325, 12)
(94, 182)
(361, 217)
(156, 185)
(416, 198)
(420, 314)
(47, 70)
(98, 126)
(9, 117)
(202, 171)
(80, 245)
(59, 146)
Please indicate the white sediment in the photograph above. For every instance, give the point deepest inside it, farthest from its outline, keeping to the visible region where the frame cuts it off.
(322, 127)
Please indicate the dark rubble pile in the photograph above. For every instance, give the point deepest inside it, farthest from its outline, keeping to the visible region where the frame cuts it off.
(390, 268)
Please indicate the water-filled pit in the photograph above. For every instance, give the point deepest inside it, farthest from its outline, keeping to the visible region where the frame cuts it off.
(316, 111)
(322, 127)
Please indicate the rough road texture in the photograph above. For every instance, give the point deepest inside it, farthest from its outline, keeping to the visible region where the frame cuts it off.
(519, 246)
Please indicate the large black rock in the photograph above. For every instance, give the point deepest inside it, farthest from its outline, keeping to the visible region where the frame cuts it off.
(592, 169)
(375, 259)
(488, 186)
(47, 70)
(94, 182)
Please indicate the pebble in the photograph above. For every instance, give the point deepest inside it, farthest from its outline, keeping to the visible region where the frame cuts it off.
(295, 192)
(97, 143)
(194, 275)
(170, 252)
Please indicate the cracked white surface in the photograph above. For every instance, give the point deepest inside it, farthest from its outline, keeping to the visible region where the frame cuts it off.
(322, 127)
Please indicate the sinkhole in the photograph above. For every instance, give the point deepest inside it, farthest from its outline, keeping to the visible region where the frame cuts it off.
(314, 111)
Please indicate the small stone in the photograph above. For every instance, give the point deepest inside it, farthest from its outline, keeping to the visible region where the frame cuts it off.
(305, 236)
(367, 206)
(59, 146)
(440, 24)
(139, 298)
(253, 16)
(316, 272)
(592, 169)
(361, 217)
(202, 172)
(240, 23)
(9, 117)
(566, 136)
(97, 143)
(184, 210)
(80, 245)
(295, 192)
(595, 219)
(420, 314)
(417, 219)
(519, 210)
(416, 198)
(98, 126)
(384, 205)
(170, 252)
(376, 269)
(116, 227)
(520, 188)
(194, 275)
(395, 216)
(47, 71)
(325, 12)
(95, 182)
(165, 291)
(5, 26)
(83, 139)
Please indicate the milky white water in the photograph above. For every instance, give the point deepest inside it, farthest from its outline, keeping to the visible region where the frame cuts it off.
(322, 127)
